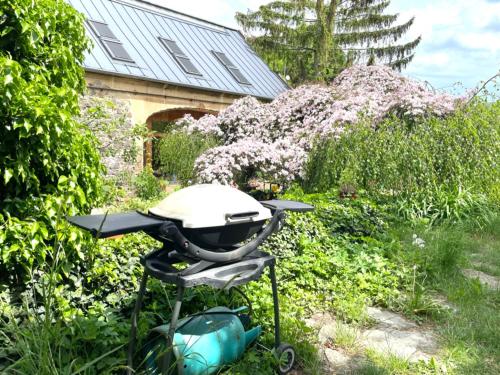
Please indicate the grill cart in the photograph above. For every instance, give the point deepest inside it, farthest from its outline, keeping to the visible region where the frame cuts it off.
(211, 236)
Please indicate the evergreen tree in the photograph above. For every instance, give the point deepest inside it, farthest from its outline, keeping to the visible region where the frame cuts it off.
(315, 39)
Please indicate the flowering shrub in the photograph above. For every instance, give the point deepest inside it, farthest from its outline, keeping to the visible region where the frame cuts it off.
(207, 125)
(250, 130)
(280, 161)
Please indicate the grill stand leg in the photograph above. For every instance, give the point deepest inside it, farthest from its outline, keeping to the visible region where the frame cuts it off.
(167, 358)
(133, 329)
(277, 339)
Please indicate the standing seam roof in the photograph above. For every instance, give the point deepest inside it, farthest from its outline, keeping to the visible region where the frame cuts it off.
(138, 25)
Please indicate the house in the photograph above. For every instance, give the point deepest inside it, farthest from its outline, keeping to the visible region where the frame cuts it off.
(159, 64)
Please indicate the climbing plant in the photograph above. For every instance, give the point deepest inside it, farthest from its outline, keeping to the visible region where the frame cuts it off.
(48, 163)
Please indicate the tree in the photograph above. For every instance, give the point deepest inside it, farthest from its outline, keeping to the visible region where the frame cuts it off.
(316, 39)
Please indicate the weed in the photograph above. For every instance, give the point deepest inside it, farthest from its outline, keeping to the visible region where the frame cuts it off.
(147, 186)
(346, 337)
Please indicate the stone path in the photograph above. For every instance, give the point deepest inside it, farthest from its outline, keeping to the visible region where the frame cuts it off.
(394, 334)
(491, 282)
(390, 334)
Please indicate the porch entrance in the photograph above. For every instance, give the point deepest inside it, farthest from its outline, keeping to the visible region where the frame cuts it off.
(161, 123)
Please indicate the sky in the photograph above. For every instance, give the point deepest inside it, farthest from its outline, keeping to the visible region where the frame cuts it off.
(460, 38)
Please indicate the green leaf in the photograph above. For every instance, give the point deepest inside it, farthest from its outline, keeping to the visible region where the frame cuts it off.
(7, 175)
(8, 79)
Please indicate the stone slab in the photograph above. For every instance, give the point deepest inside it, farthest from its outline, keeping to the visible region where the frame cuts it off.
(491, 282)
(389, 318)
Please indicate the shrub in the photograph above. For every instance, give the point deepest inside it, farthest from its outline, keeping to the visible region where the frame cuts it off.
(280, 162)
(42, 46)
(331, 258)
(117, 138)
(298, 116)
(89, 323)
(79, 325)
(147, 186)
(178, 151)
(435, 168)
(49, 164)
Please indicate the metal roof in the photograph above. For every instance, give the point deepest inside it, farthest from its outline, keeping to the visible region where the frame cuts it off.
(139, 25)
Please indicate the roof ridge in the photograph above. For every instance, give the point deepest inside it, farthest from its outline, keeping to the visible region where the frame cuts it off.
(185, 14)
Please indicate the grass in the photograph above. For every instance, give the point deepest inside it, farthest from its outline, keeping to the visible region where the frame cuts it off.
(376, 363)
(346, 337)
(470, 331)
(486, 254)
(468, 328)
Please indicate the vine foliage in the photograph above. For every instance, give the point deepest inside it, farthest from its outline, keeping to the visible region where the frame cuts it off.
(49, 165)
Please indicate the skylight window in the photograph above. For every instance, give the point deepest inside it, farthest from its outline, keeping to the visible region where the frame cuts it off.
(182, 59)
(233, 69)
(110, 42)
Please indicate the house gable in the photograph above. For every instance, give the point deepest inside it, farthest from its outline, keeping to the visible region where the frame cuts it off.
(141, 29)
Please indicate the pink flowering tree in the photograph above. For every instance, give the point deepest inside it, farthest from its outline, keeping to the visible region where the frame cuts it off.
(237, 162)
(271, 140)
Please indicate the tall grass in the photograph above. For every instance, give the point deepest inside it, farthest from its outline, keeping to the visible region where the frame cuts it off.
(35, 338)
(177, 152)
(437, 169)
(469, 330)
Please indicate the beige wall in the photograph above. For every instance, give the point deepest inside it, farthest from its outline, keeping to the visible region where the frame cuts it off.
(147, 98)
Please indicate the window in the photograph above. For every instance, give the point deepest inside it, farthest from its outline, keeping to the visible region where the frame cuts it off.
(110, 42)
(182, 59)
(235, 71)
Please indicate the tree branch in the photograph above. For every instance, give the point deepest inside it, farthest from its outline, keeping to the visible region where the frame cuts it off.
(482, 87)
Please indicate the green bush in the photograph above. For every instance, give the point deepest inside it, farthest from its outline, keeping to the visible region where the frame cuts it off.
(435, 168)
(41, 51)
(331, 258)
(178, 151)
(91, 308)
(48, 162)
(81, 323)
(147, 185)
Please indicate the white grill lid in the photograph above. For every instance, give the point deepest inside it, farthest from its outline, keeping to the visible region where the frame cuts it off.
(210, 205)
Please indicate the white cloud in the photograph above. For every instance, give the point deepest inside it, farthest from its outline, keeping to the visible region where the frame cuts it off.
(436, 59)
(466, 32)
(481, 40)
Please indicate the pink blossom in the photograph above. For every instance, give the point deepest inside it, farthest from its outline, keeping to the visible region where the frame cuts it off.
(273, 139)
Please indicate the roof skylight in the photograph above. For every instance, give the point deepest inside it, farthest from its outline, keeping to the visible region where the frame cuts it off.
(110, 42)
(233, 69)
(182, 59)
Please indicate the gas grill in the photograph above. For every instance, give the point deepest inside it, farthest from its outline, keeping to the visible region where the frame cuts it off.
(215, 232)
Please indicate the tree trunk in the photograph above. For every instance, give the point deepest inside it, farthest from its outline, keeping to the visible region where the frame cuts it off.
(324, 43)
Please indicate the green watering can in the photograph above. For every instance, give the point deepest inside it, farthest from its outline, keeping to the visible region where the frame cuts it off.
(202, 343)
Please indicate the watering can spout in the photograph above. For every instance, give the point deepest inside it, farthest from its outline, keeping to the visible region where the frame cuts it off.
(251, 335)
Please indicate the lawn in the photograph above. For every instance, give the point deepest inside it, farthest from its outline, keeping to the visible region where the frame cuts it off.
(466, 316)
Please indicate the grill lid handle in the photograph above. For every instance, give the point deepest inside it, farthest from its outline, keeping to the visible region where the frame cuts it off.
(241, 216)
(170, 230)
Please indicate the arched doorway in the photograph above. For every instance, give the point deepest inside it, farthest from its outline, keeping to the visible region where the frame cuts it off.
(161, 122)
